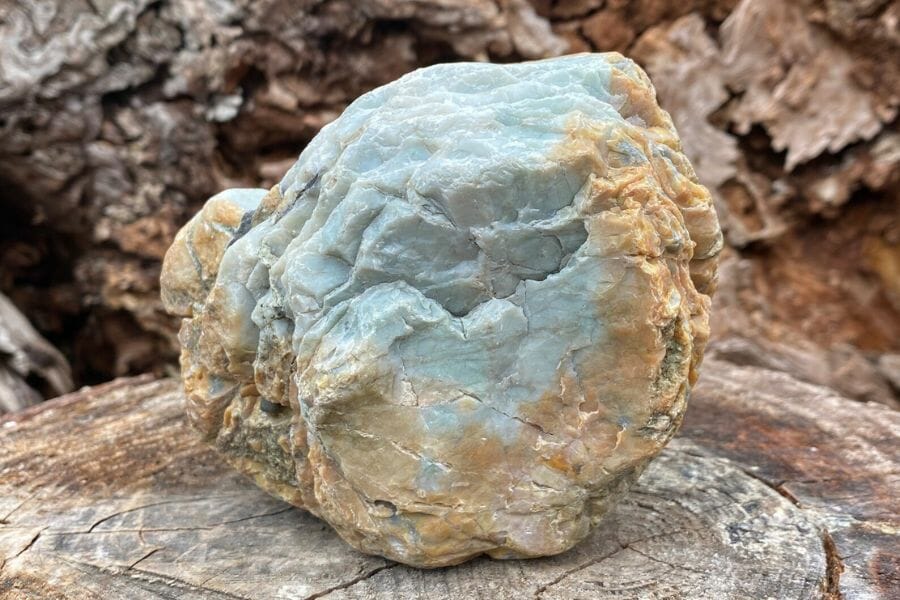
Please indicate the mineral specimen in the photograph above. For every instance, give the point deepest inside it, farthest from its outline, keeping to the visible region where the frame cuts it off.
(468, 316)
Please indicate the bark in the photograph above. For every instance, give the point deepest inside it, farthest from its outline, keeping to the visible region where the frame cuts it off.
(117, 119)
(29, 366)
(775, 488)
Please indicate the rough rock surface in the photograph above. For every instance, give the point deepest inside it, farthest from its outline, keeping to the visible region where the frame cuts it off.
(468, 316)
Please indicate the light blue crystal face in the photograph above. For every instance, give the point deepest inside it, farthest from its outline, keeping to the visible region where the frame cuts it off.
(478, 281)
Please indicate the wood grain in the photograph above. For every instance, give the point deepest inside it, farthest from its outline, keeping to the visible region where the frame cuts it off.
(775, 488)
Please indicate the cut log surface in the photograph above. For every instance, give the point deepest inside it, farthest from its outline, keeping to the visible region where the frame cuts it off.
(773, 489)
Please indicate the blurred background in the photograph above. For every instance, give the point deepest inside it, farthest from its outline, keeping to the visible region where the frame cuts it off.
(118, 118)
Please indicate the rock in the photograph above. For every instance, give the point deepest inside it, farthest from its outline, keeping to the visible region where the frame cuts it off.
(468, 316)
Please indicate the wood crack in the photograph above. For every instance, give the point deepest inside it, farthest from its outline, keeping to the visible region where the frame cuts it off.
(581, 567)
(778, 487)
(5, 519)
(137, 508)
(141, 530)
(627, 546)
(352, 582)
(145, 557)
(151, 578)
(175, 582)
(666, 563)
(834, 566)
(23, 550)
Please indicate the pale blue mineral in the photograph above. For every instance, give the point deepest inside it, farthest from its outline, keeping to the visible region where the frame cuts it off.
(468, 316)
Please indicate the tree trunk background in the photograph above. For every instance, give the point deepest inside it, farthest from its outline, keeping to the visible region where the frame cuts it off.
(774, 489)
(118, 118)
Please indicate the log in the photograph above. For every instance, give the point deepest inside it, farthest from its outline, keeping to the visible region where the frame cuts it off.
(30, 367)
(774, 489)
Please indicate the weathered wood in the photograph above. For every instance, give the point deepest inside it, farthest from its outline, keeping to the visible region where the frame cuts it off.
(775, 488)
(27, 361)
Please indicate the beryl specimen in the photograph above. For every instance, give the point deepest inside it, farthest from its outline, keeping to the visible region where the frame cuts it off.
(466, 319)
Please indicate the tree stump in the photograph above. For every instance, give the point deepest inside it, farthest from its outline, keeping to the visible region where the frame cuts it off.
(773, 489)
